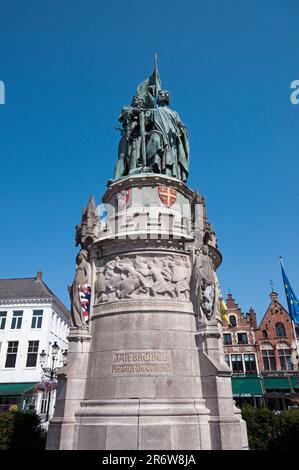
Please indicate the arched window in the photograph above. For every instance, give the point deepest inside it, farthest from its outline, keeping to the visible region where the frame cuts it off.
(265, 334)
(232, 320)
(268, 356)
(285, 354)
(280, 330)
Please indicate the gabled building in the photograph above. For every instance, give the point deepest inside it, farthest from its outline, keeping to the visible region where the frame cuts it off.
(32, 320)
(239, 339)
(278, 356)
(264, 358)
(276, 339)
(241, 354)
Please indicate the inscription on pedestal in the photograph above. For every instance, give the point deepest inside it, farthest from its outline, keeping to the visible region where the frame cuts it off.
(141, 362)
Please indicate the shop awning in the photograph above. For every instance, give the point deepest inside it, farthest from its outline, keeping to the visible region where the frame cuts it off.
(16, 388)
(278, 383)
(295, 382)
(247, 386)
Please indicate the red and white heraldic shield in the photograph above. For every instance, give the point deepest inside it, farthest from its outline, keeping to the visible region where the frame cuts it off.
(167, 195)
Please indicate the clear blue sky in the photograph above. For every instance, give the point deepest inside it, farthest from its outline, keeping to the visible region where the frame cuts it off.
(69, 66)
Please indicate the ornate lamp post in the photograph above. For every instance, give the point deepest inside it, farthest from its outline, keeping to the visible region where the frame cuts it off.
(49, 371)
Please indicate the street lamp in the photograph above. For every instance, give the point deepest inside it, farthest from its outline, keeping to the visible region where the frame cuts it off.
(65, 357)
(50, 371)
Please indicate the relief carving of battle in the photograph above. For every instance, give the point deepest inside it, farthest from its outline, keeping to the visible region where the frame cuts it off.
(136, 277)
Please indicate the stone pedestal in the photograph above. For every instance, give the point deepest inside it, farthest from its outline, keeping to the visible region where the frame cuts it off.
(150, 372)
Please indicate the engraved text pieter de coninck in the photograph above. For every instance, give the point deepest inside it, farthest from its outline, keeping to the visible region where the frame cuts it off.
(152, 362)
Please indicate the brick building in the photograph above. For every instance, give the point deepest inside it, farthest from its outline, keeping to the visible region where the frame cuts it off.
(239, 339)
(276, 340)
(264, 358)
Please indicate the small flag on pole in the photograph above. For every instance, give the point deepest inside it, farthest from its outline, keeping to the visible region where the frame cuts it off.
(85, 294)
(222, 304)
(293, 303)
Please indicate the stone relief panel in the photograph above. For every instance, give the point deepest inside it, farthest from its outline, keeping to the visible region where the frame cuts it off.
(166, 277)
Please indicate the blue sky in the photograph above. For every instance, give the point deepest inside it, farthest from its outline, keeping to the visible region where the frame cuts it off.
(69, 67)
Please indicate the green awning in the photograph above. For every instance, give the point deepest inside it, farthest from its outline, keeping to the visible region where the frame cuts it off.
(272, 383)
(16, 388)
(295, 382)
(247, 386)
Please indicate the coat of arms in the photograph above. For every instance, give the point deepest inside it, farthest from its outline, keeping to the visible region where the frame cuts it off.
(122, 199)
(167, 195)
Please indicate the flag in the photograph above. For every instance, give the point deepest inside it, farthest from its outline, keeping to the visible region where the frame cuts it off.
(85, 294)
(222, 304)
(149, 88)
(293, 304)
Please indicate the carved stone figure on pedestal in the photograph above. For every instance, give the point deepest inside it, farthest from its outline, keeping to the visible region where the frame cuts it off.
(204, 283)
(82, 278)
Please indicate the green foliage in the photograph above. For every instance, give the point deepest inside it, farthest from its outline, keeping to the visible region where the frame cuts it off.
(21, 430)
(6, 429)
(268, 430)
(288, 430)
(261, 427)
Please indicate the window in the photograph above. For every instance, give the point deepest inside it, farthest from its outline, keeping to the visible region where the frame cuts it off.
(226, 357)
(265, 334)
(250, 363)
(227, 338)
(16, 322)
(32, 353)
(53, 322)
(237, 364)
(37, 319)
(58, 327)
(232, 320)
(44, 402)
(242, 338)
(285, 359)
(269, 359)
(11, 356)
(280, 330)
(2, 320)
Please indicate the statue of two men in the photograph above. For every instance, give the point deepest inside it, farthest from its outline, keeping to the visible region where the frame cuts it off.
(165, 138)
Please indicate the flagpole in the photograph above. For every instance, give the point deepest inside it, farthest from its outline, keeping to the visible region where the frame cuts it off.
(297, 355)
(293, 324)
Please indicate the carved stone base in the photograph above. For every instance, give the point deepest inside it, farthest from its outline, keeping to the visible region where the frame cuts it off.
(148, 373)
(142, 424)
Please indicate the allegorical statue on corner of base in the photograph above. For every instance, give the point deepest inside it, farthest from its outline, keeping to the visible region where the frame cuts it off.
(153, 137)
(204, 283)
(80, 291)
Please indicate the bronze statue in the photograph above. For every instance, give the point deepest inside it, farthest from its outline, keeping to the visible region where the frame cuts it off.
(129, 148)
(153, 137)
(167, 148)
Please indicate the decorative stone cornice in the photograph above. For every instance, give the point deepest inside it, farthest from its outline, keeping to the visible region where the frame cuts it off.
(79, 338)
(79, 335)
(142, 306)
(150, 179)
(26, 301)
